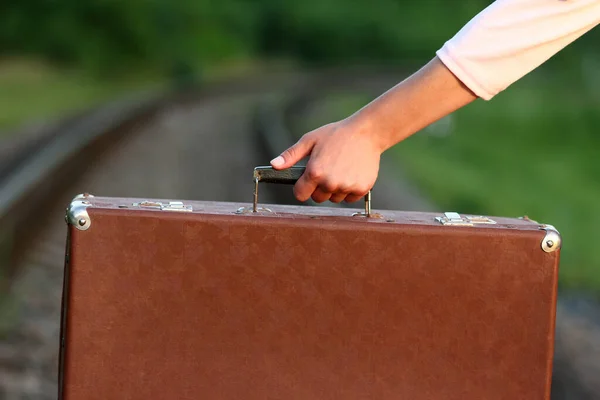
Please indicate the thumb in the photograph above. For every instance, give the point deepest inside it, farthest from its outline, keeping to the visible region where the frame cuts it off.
(292, 155)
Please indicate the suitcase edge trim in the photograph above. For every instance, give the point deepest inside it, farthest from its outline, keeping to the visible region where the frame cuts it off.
(78, 217)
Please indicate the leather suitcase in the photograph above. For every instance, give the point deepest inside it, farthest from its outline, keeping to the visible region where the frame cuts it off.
(213, 300)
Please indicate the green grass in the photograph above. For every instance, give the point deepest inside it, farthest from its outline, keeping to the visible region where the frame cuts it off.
(533, 150)
(31, 90)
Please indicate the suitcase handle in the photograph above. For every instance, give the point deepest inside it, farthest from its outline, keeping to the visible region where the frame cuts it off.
(289, 176)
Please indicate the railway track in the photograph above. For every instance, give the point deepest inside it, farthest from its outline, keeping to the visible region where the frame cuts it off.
(201, 145)
(196, 145)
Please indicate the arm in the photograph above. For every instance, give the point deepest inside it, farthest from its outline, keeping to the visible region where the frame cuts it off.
(499, 46)
(423, 98)
(344, 156)
(511, 38)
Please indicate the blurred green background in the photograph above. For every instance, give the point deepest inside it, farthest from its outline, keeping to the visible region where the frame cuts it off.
(532, 150)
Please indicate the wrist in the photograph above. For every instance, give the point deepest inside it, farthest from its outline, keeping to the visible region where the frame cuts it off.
(366, 125)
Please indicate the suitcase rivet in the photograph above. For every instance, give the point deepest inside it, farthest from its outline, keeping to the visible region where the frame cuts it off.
(82, 222)
(549, 243)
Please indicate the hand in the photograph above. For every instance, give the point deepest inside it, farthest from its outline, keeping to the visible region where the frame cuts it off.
(343, 164)
(344, 156)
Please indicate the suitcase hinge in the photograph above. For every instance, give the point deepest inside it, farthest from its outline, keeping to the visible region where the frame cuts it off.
(453, 218)
(552, 241)
(76, 213)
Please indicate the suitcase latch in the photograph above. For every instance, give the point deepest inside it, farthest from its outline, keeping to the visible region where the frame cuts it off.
(176, 206)
(453, 218)
(171, 206)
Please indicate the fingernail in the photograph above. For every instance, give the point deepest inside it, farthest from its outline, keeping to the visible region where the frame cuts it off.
(277, 161)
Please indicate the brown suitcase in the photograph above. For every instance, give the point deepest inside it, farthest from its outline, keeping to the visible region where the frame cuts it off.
(210, 300)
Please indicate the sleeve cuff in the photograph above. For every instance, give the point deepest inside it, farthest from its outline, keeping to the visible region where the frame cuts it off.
(447, 58)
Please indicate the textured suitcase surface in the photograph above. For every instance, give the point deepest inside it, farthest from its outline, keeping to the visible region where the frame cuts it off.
(203, 302)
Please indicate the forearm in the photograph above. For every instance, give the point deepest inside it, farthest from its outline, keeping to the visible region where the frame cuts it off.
(426, 96)
(497, 47)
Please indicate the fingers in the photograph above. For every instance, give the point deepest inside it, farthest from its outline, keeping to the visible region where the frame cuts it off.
(351, 198)
(320, 196)
(306, 186)
(338, 197)
(339, 193)
(292, 155)
(313, 184)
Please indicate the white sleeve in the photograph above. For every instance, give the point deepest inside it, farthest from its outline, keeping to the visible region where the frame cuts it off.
(510, 38)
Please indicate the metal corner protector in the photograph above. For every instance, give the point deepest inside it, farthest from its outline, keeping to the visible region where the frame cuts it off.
(76, 213)
(552, 241)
